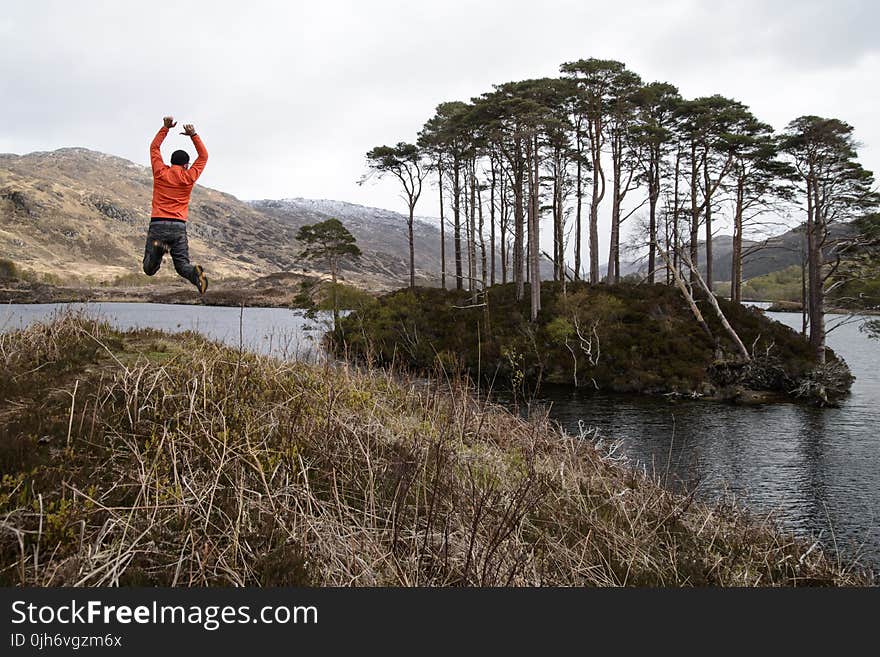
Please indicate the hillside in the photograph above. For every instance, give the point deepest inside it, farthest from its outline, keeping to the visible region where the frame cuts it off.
(381, 234)
(760, 258)
(145, 459)
(82, 213)
(74, 213)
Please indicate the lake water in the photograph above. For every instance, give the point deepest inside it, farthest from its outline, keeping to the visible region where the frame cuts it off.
(271, 331)
(817, 470)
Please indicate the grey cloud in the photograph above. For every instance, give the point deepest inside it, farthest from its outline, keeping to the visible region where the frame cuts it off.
(289, 96)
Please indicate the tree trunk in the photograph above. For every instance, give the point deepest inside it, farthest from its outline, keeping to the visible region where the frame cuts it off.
(680, 284)
(456, 212)
(611, 275)
(492, 225)
(579, 193)
(814, 258)
(676, 201)
(412, 252)
(598, 195)
(504, 212)
(534, 233)
(560, 223)
(472, 231)
(614, 247)
(483, 260)
(714, 303)
(695, 213)
(518, 219)
(528, 223)
(466, 246)
(653, 195)
(442, 232)
(667, 237)
(708, 192)
(556, 231)
(804, 300)
(333, 295)
(736, 256)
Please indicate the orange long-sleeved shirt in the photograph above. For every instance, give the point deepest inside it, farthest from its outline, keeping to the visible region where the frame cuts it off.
(172, 185)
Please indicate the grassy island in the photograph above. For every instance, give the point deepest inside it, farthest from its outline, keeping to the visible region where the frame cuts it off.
(615, 338)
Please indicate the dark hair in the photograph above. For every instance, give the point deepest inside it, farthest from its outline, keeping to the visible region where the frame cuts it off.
(180, 157)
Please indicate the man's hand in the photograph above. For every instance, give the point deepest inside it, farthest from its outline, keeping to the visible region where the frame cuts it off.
(188, 130)
(169, 121)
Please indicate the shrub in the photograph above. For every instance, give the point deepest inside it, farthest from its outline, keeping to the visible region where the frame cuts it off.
(8, 270)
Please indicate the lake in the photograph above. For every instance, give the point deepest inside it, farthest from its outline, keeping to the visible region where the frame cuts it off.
(271, 331)
(817, 470)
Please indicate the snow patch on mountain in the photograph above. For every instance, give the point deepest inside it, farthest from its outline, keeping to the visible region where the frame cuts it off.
(341, 210)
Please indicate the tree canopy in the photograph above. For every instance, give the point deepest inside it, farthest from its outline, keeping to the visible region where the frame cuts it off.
(327, 241)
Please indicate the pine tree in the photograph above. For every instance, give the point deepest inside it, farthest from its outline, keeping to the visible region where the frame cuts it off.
(835, 188)
(328, 241)
(404, 162)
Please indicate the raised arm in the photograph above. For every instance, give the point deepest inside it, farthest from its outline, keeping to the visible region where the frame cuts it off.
(196, 168)
(155, 153)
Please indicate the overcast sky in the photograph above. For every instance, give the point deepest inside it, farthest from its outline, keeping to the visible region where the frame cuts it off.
(288, 96)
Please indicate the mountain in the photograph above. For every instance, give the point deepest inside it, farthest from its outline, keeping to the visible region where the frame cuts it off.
(722, 254)
(760, 257)
(773, 254)
(74, 213)
(381, 234)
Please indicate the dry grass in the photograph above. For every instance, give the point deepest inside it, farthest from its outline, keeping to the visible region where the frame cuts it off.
(143, 458)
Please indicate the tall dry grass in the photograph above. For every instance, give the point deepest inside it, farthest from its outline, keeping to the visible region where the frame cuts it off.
(145, 458)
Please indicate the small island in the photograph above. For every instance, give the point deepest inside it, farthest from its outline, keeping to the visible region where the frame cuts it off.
(622, 338)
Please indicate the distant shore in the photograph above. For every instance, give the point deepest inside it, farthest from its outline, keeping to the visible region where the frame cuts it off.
(796, 307)
(234, 293)
(281, 290)
(174, 293)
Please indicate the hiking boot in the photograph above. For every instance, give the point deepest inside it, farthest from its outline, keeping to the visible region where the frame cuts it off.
(201, 279)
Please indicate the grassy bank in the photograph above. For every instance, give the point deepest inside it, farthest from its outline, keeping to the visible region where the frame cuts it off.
(783, 285)
(145, 458)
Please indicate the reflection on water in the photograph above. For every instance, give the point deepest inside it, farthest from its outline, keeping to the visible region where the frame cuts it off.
(817, 469)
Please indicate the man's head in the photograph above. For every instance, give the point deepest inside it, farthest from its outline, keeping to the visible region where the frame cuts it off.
(180, 158)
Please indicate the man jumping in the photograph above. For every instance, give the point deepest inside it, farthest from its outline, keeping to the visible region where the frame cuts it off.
(172, 186)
